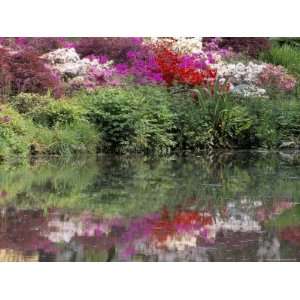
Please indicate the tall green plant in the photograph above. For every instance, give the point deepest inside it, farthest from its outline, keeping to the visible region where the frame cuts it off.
(229, 124)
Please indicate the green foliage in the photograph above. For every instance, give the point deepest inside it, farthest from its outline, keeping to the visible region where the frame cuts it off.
(135, 119)
(26, 102)
(72, 139)
(291, 41)
(145, 119)
(57, 114)
(65, 131)
(275, 122)
(14, 133)
(211, 121)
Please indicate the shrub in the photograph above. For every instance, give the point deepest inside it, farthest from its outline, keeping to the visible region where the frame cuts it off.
(141, 66)
(14, 133)
(191, 125)
(276, 77)
(273, 122)
(251, 46)
(40, 45)
(44, 44)
(57, 114)
(182, 69)
(135, 119)
(288, 120)
(114, 48)
(25, 102)
(25, 71)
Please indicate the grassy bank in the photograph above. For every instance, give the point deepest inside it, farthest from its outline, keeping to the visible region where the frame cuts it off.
(144, 120)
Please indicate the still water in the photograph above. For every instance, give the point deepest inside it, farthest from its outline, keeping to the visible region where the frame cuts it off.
(227, 206)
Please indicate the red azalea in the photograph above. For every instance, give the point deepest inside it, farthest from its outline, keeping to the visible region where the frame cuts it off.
(173, 72)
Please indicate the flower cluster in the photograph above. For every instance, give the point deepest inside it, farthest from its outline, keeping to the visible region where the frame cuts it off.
(187, 45)
(183, 69)
(276, 77)
(80, 73)
(141, 66)
(240, 73)
(40, 45)
(41, 64)
(250, 46)
(252, 79)
(243, 78)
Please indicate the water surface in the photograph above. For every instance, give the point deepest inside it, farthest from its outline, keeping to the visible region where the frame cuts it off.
(227, 206)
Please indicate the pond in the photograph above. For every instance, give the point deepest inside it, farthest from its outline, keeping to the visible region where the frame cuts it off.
(218, 206)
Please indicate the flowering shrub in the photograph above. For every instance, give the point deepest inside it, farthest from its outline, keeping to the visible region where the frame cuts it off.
(186, 45)
(26, 65)
(114, 48)
(276, 77)
(252, 79)
(243, 78)
(80, 73)
(40, 45)
(247, 45)
(240, 73)
(99, 76)
(182, 69)
(141, 66)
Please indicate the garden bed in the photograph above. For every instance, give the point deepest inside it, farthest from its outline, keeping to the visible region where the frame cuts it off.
(133, 95)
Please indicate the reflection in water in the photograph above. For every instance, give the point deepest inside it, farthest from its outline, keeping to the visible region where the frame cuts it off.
(229, 207)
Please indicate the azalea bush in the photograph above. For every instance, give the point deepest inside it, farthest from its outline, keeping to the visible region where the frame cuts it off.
(276, 77)
(40, 45)
(141, 66)
(251, 46)
(87, 73)
(114, 48)
(183, 69)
